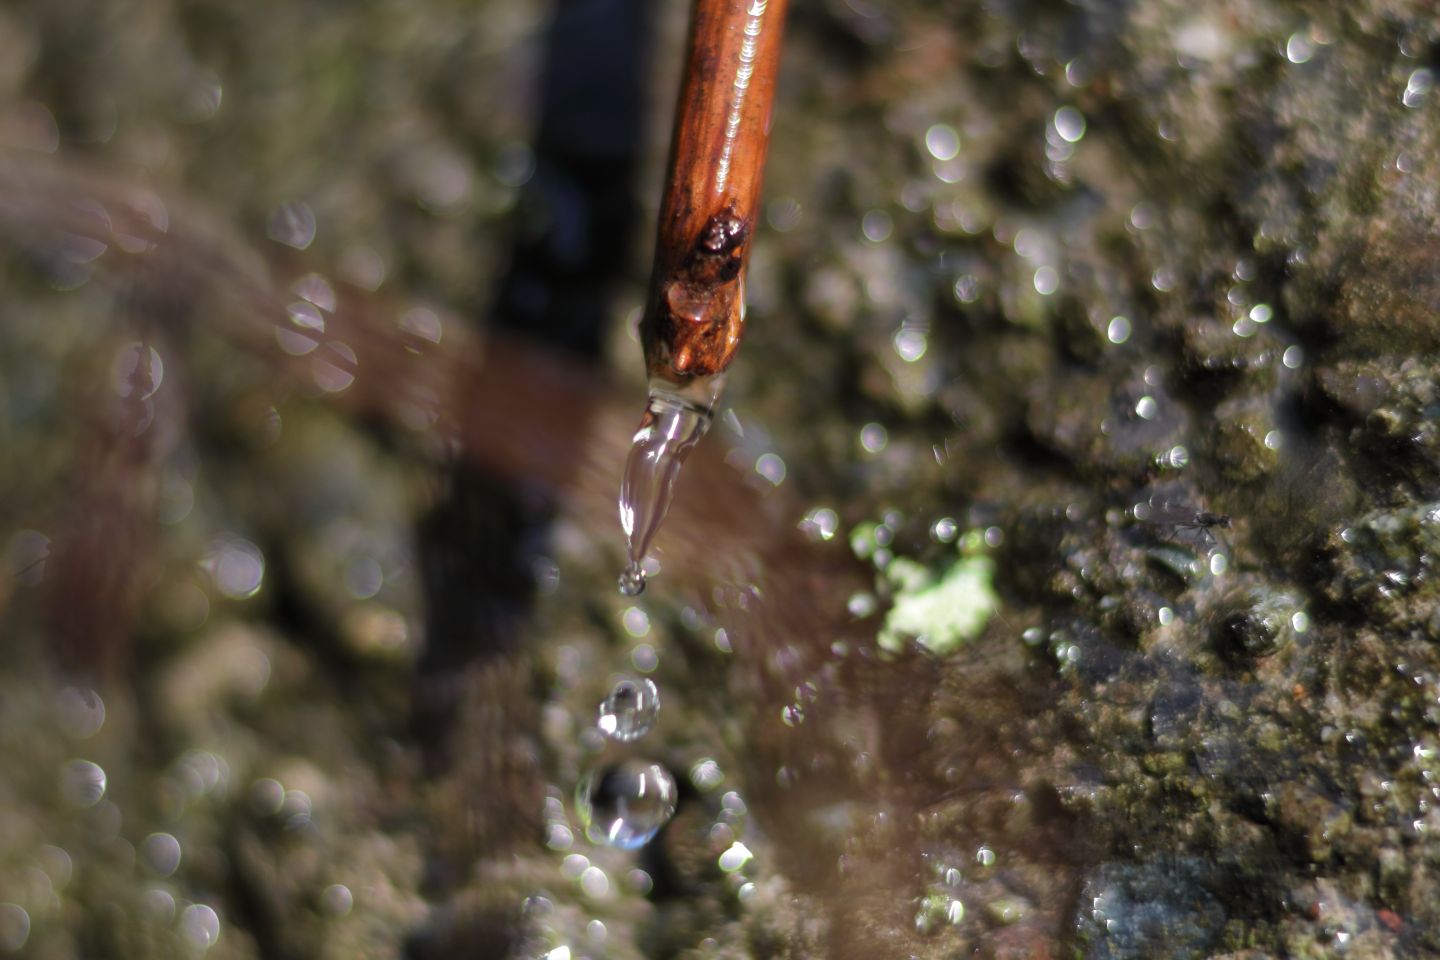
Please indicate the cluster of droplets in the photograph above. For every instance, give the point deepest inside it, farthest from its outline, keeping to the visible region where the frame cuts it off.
(952, 882)
(624, 803)
(726, 834)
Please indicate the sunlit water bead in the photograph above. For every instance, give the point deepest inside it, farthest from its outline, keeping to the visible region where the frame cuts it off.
(672, 425)
(137, 371)
(874, 438)
(200, 925)
(161, 853)
(82, 783)
(820, 523)
(293, 224)
(82, 712)
(630, 709)
(625, 804)
(1174, 458)
(1419, 85)
(936, 911)
(14, 927)
(236, 566)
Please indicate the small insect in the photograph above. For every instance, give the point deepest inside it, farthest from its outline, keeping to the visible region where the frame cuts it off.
(1183, 521)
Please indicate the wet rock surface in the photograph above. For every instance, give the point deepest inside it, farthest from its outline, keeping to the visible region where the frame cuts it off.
(1079, 601)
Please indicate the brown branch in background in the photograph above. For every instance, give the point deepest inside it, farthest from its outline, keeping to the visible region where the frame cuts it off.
(696, 312)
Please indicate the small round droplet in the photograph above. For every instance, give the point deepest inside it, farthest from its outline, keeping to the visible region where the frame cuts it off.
(82, 712)
(707, 775)
(337, 900)
(862, 605)
(632, 580)
(735, 857)
(1070, 124)
(236, 565)
(594, 883)
(293, 224)
(938, 910)
(137, 371)
(629, 711)
(1173, 459)
(158, 905)
(14, 927)
(625, 804)
(942, 142)
(1047, 281)
(200, 925)
(644, 658)
(636, 623)
(1118, 330)
(162, 853)
(83, 783)
(874, 437)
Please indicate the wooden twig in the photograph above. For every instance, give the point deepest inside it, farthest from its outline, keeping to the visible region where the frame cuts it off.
(696, 311)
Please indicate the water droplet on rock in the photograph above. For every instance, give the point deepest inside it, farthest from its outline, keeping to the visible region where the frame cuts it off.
(629, 711)
(625, 804)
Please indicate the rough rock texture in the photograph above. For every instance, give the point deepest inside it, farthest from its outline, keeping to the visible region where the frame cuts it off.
(1129, 312)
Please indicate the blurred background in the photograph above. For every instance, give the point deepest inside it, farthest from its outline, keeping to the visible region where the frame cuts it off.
(1056, 582)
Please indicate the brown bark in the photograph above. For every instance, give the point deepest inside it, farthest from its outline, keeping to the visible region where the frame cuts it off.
(696, 312)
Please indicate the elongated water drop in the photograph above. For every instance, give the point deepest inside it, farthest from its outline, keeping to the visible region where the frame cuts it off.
(675, 420)
(625, 804)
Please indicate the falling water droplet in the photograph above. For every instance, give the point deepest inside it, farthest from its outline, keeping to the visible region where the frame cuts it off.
(630, 710)
(675, 419)
(625, 804)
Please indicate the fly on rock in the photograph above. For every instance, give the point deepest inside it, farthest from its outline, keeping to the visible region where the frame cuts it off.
(1177, 520)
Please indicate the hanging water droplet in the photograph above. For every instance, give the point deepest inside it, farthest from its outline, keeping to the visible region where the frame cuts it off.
(632, 580)
(629, 711)
(675, 420)
(625, 804)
